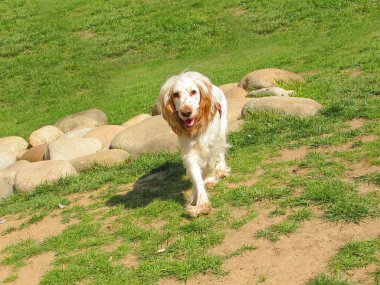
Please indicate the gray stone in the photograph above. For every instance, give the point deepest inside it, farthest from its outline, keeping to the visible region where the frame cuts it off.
(13, 144)
(66, 149)
(294, 106)
(35, 173)
(89, 118)
(151, 135)
(136, 119)
(274, 91)
(6, 159)
(5, 191)
(268, 77)
(104, 134)
(106, 157)
(44, 135)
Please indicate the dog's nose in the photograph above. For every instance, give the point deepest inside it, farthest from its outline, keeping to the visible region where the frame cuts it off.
(186, 113)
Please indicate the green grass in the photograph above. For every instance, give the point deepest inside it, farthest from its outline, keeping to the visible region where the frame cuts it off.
(353, 256)
(58, 57)
(289, 225)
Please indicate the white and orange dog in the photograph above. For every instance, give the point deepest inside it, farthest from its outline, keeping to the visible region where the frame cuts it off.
(196, 110)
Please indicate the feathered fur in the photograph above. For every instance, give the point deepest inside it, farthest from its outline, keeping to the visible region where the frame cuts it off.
(190, 104)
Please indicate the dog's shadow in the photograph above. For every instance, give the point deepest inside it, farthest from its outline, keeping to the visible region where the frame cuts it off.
(166, 182)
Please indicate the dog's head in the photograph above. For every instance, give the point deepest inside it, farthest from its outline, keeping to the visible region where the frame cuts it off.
(187, 103)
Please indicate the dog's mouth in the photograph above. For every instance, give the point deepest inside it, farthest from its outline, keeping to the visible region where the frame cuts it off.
(189, 122)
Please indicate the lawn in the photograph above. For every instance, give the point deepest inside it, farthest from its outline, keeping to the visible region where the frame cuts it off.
(126, 224)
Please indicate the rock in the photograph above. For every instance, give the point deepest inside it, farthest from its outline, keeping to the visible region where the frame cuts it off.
(13, 145)
(5, 191)
(17, 166)
(66, 149)
(294, 106)
(107, 157)
(136, 119)
(35, 153)
(44, 135)
(151, 135)
(33, 174)
(228, 86)
(7, 177)
(89, 118)
(274, 91)
(234, 108)
(268, 77)
(6, 159)
(104, 133)
(235, 93)
(156, 109)
(235, 126)
(78, 132)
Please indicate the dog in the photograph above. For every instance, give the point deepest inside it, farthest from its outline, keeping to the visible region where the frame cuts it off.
(196, 110)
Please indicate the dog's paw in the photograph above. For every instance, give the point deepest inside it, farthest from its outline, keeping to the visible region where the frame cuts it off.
(223, 172)
(210, 182)
(195, 211)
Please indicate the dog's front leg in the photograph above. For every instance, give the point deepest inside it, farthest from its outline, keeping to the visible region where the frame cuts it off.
(199, 202)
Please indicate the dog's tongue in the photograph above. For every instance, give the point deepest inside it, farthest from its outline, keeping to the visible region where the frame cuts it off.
(189, 122)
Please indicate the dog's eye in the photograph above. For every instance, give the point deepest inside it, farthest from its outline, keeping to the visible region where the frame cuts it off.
(176, 94)
(193, 92)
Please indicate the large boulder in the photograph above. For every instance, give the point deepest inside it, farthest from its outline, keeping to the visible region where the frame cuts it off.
(17, 166)
(7, 177)
(44, 135)
(234, 108)
(136, 119)
(294, 106)
(66, 149)
(13, 144)
(228, 86)
(268, 77)
(5, 191)
(274, 91)
(33, 174)
(104, 133)
(6, 159)
(35, 153)
(105, 157)
(89, 118)
(235, 93)
(151, 135)
(78, 132)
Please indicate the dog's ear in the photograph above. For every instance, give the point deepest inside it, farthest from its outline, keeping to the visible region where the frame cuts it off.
(168, 110)
(207, 105)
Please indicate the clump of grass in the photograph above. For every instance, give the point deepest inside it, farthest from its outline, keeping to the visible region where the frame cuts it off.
(356, 255)
(290, 225)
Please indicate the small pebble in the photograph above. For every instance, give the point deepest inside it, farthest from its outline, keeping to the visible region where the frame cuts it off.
(161, 250)
(61, 206)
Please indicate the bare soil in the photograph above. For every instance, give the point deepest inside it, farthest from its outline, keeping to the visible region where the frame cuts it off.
(291, 260)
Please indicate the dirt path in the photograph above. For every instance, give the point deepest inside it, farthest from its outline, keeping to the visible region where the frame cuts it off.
(293, 260)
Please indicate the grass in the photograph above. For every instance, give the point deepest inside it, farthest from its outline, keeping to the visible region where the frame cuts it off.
(289, 225)
(353, 256)
(68, 56)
